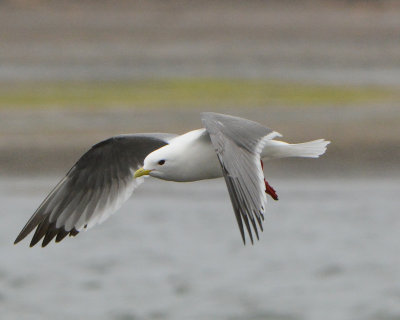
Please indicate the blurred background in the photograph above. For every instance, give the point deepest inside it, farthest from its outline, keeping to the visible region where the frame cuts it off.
(73, 73)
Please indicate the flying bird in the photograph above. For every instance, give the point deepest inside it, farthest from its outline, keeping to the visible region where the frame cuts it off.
(106, 175)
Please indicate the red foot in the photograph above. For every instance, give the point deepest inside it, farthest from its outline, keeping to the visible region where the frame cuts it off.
(268, 189)
(271, 191)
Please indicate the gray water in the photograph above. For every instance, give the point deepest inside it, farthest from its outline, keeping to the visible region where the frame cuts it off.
(330, 250)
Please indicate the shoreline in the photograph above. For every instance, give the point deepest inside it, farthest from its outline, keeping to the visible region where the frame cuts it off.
(364, 139)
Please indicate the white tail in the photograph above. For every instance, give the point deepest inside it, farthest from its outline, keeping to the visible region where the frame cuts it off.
(279, 149)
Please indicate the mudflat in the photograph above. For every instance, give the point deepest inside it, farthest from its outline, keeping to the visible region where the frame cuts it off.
(364, 139)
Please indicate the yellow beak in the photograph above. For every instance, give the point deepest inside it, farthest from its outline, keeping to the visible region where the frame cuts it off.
(141, 172)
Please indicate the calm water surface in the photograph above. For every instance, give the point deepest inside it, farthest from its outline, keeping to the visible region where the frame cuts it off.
(330, 250)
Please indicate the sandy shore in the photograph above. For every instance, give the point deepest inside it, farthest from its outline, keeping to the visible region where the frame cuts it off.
(365, 140)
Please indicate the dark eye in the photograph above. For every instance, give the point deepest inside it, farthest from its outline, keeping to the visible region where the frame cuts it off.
(161, 162)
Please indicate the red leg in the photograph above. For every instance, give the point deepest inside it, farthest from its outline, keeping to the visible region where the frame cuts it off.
(271, 191)
(268, 189)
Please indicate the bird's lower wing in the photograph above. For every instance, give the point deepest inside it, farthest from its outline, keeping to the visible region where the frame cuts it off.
(238, 143)
(95, 187)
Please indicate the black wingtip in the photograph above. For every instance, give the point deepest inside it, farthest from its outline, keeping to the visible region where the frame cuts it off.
(50, 234)
(73, 232)
(247, 224)
(40, 232)
(29, 227)
(47, 232)
(244, 240)
(18, 239)
(259, 217)
(61, 235)
(255, 228)
(44, 244)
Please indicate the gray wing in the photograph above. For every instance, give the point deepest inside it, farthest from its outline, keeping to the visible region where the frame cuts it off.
(238, 143)
(95, 187)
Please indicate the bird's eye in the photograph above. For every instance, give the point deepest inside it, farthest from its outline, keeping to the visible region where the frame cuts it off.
(161, 162)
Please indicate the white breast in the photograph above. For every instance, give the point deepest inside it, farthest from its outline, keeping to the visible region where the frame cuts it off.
(196, 157)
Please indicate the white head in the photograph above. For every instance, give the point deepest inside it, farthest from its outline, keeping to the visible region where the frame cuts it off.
(188, 157)
(163, 163)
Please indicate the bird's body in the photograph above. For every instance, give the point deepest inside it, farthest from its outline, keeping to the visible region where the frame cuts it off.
(194, 158)
(105, 176)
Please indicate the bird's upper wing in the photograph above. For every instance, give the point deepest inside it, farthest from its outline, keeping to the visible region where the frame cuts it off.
(95, 187)
(238, 143)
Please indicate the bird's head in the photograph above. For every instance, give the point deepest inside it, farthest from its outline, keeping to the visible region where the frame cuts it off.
(159, 163)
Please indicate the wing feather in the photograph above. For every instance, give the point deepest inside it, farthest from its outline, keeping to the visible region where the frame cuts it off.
(93, 189)
(238, 143)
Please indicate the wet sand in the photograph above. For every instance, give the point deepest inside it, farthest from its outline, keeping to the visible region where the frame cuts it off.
(364, 139)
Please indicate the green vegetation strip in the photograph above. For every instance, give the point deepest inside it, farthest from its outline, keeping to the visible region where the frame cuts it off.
(187, 93)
